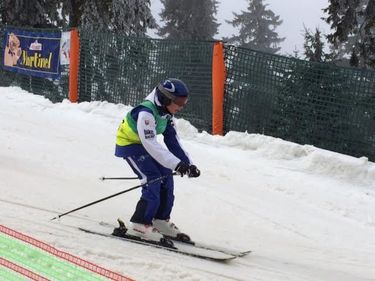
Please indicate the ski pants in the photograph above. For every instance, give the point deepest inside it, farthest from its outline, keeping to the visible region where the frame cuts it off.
(157, 198)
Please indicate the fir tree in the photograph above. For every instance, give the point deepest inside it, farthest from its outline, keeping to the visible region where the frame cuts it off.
(353, 23)
(189, 19)
(2, 12)
(257, 28)
(95, 14)
(132, 17)
(125, 16)
(314, 46)
(71, 11)
(34, 13)
(295, 53)
(354, 59)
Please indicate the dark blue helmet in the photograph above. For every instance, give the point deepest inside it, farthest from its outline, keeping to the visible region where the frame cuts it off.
(172, 90)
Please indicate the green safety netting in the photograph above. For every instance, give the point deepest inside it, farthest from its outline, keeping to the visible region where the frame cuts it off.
(308, 103)
(123, 69)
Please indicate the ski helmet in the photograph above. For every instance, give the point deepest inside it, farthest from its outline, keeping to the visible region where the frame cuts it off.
(172, 90)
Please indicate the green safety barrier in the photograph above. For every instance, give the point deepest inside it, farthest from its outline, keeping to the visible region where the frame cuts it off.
(125, 69)
(319, 104)
(40, 262)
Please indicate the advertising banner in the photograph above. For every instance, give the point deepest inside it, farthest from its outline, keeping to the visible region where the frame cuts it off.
(32, 52)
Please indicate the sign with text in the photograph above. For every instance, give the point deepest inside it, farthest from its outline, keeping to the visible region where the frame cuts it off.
(32, 52)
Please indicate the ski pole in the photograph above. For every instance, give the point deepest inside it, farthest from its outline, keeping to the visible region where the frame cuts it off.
(111, 196)
(118, 178)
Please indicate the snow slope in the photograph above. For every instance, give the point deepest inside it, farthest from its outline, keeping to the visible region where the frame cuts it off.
(307, 214)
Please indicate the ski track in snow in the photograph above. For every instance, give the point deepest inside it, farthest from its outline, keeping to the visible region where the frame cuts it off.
(306, 213)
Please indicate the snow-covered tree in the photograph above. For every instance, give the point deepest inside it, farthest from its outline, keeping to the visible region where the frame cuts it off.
(126, 16)
(34, 13)
(314, 46)
(189, 19)
(295, 53)
(257, 28)
(132, 17)
(353, 23)
(96, 14)
(2, 12)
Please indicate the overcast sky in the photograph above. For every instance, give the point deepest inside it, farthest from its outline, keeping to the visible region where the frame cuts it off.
(294, 13)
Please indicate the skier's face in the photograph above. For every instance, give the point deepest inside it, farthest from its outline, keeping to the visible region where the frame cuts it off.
(177, 105)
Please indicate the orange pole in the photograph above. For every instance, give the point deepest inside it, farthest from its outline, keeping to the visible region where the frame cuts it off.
(218, 80)
(74, 65)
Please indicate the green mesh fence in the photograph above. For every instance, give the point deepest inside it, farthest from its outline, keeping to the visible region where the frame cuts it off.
(123, 69)
(56, 90)
(309, 103)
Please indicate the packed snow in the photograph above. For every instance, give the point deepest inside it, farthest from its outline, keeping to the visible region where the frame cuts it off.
(306, 213)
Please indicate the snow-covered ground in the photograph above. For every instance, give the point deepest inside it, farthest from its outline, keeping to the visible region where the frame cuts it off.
(306, 213)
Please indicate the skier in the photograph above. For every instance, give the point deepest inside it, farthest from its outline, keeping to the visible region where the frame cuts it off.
(137, 143)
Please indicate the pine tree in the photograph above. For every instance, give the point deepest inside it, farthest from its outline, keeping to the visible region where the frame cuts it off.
(189, 19)
(257, 28)
(95, 14)
(132, 17)
(125, 16)
(314, 46)
(2, 12)
(295, 53)
(353, 23)
(34, 13)
(354, 61)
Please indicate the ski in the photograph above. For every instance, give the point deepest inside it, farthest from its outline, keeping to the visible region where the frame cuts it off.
(202, 245)
(183, 240)
(181, 248)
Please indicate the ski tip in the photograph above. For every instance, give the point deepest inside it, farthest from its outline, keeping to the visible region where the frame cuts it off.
(244, 253)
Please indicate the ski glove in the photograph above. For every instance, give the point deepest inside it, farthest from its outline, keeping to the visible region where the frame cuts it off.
(186, 169)
(194, 172)
(182, 168)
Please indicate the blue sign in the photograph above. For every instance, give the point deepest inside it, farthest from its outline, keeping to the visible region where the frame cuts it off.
(32, 53)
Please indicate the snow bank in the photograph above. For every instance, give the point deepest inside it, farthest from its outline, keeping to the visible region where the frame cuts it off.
(311, 159)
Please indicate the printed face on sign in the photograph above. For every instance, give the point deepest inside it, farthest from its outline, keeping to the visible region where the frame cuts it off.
(12, 50)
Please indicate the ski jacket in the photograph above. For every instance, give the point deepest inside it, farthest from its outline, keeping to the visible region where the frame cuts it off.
(139, 129)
